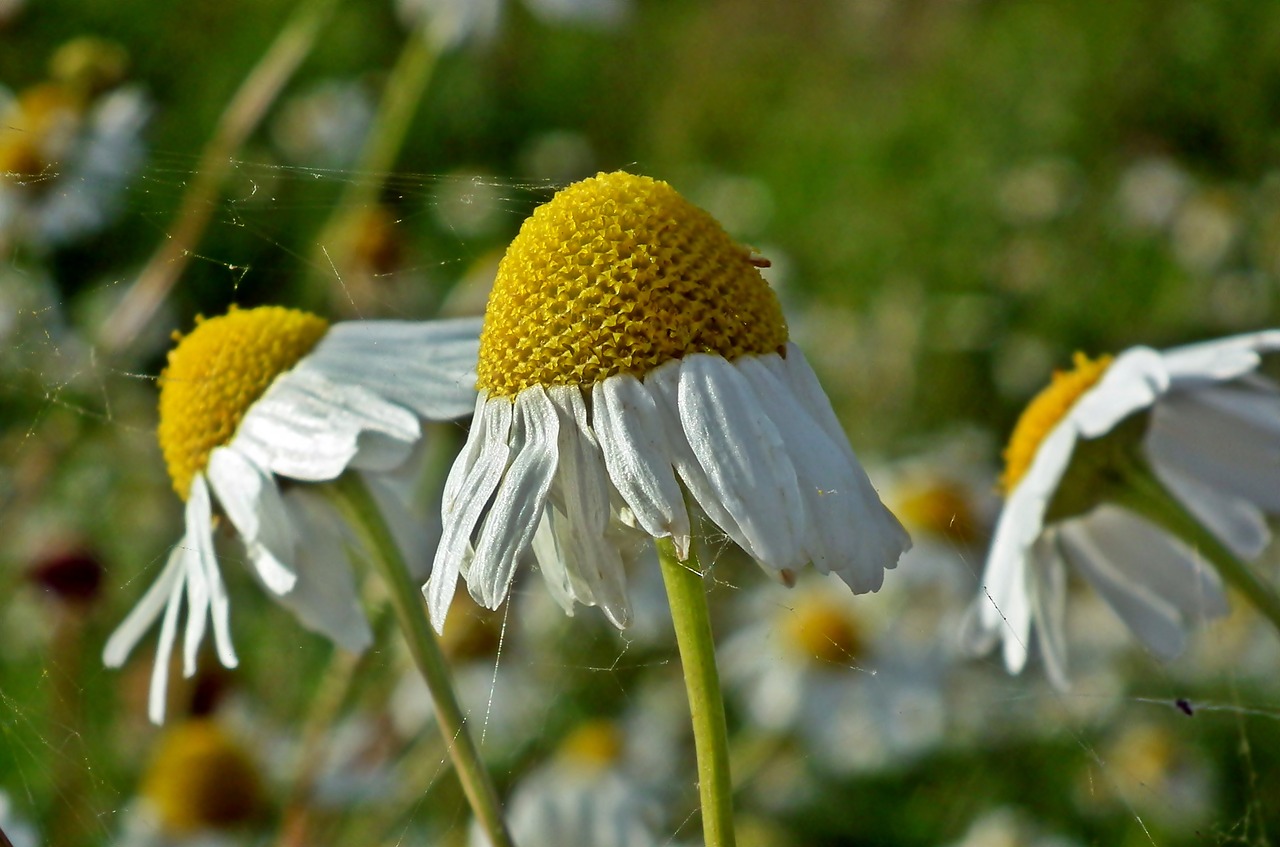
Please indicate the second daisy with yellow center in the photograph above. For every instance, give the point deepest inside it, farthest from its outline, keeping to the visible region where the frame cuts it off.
(632, 352)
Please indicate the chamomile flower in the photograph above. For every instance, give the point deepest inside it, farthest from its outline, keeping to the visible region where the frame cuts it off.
(266, 392)
(1089, 472)
(631, 353)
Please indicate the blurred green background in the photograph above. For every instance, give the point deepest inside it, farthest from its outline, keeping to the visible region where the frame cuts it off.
(955, 195)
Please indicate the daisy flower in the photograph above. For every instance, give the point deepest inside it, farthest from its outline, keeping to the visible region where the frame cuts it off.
(266, 392)
(1137, 471)
(632, 352)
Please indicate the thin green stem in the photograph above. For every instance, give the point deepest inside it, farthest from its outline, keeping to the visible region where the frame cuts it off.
(1146, 495)
(358, 506)
(242, 115)
(406, 83)
(688, 600)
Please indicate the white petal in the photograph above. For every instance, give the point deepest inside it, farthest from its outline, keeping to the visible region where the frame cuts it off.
(1148, 556)
(629, 424)
(1022, 519)
(664, 382)
(199, 538)
(550, 556)
(200, 533)
(850, 531)
(160, 670)
(744, 459)
(427, 366)
(251, 500)
(1133, 382)
(583, 487)
(140, 618)
(804, 384)
(1219, 446)
(472, 480)
(326, 599)
(517, 505)
(1049, 609)
(308, 427)
(1220, 359)
(1155, 621)
(1235, 521)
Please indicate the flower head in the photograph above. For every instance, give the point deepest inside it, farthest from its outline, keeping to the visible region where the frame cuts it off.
(1195, 420)
(266, 392)
(632, 352)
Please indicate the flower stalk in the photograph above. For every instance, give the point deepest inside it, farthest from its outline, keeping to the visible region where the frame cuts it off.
(688, 600)
(356, 502)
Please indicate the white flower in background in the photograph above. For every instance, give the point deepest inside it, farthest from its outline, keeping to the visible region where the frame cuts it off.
(266, 392)
(585, 795)
(1088, 468)
(631, 353)
(841, 674)
(68, 147)
(450, 23)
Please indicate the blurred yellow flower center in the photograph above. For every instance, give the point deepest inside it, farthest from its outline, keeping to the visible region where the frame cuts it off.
(1044, 412)
(619, 274)
(36, 129)
(199, 778)
(595, 743)
(940, 507)
(217, 372)
(823, 630)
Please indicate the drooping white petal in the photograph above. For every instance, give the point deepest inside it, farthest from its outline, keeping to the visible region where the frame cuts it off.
(1209, 441)
(200, 533)
(307, 427)
(144, 613)
(1012, 601)
(664, 382)
(1236, 522)
(517, 504)
(627, 420)
(472, 480)
(1220, 359)
(252, 501)
(1022, 519)
(164, 650)
(804, 384)
(850, 532)
(1155, 621)
(551, 556)
(1148, 556)
(1049, 609)
(1133, 382)
(199, 538)
(426, 366)
(582, 484)
(744, 459)
(325, 599)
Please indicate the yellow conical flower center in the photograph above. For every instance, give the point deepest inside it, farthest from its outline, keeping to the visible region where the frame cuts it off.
(1044, 412)
(596, 743)
(940, 507)
(820, 629)
(199, 778)
(217, 372)
(618, 274)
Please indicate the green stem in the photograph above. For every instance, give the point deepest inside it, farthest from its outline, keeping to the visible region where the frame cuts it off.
(358, 506)
(1146, 495)
(688, 600)
(405, 85)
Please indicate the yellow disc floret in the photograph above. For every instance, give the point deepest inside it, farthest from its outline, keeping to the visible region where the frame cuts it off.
(1044, 412)
(217, 372)
(616, 275)
(595, 743)
(200, 779)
